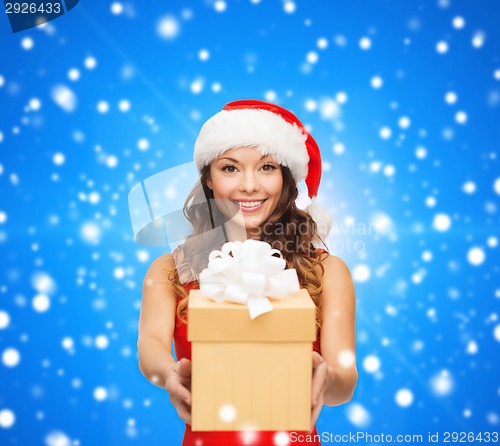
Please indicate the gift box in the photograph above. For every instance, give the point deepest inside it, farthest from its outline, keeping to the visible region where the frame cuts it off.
(251, 374)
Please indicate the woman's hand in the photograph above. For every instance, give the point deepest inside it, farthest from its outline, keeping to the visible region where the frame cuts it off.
(319, 386)
(178, 386)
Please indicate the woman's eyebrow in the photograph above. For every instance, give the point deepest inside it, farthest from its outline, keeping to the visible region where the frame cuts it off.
(236, 161)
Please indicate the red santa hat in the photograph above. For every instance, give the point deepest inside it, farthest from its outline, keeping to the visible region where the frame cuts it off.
(274, 131)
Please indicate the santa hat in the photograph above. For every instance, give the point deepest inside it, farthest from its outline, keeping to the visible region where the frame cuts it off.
(276, 132)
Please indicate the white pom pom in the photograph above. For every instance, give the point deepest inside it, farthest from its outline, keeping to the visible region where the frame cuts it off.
(322, 218)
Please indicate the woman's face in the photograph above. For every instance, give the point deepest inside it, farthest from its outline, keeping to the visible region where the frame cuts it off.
(244, 180)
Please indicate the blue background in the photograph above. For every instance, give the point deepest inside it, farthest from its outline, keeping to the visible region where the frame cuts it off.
(428, 294)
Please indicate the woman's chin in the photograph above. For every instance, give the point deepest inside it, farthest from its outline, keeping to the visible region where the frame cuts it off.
(247, 226)
(252, 222)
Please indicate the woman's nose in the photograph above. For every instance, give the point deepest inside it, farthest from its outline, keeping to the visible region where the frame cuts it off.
(249, 183)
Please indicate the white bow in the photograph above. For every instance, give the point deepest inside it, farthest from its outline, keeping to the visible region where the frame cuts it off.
(247, 273)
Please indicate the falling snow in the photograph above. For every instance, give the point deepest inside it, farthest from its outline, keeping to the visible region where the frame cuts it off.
(64, 97)
(358, 415)
(10, 357)
(7, 418)
(404, 397)
(371, 363)
(168, 28)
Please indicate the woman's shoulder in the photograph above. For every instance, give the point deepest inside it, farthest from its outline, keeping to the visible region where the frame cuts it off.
(168, 261)
(159, 270)
(332, 264)
(165, 261)
(336, 270)
(166, 264)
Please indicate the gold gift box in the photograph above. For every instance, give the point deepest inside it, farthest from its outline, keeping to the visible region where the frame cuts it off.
(251, 374)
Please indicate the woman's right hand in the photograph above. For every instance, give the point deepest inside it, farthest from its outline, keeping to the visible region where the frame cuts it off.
(178, 386)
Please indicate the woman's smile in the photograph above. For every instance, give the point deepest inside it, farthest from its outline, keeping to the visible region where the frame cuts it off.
(249, 206)
(253, 182)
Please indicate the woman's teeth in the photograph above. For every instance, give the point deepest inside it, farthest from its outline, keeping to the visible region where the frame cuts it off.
(249, 204)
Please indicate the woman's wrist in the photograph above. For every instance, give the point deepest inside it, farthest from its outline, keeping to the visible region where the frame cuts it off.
(159, 375)
(339, 386)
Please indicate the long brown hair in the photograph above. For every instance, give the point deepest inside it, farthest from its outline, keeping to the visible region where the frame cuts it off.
(288, 228)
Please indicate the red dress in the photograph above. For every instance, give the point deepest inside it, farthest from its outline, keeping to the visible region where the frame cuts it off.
(235, 438)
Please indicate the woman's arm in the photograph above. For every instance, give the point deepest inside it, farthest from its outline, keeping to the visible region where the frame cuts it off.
(156, 329)
(156, 322)
(335, 374)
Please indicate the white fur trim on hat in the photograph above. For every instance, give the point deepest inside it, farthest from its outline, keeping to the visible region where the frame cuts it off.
(322, 218)
(268, 131)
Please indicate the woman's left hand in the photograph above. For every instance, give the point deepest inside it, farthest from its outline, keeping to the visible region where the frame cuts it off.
(319, 386)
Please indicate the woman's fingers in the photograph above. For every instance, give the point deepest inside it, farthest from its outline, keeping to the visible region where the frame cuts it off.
(177, 386)
(320, 370)
(184, 395)
(315, 412)
(184, 368)
(318, 384)
(183, 410)
(181, 400)
(319, 377)
(184, 371)
(317, 359)
(177, 391)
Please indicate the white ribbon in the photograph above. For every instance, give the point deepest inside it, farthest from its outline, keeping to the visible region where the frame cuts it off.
(248, 273)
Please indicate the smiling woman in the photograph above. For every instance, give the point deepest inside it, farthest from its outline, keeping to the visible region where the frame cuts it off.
(250, 157)
(244, 180)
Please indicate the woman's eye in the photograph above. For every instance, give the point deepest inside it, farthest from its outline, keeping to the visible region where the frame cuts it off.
(268, 167)
(229, 168)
